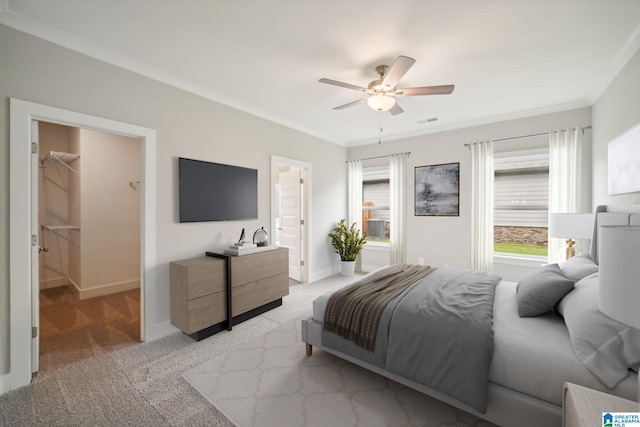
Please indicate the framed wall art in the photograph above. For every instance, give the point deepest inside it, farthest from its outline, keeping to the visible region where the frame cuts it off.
(623, 162)
(437, 190)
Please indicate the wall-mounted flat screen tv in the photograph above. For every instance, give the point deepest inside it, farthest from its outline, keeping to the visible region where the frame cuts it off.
(216, 192)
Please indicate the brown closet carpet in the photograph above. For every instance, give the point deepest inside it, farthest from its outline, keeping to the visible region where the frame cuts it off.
(72, 330)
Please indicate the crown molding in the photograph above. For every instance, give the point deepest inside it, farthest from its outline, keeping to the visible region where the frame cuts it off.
(474, 123)
(627, 51)
(36, 29)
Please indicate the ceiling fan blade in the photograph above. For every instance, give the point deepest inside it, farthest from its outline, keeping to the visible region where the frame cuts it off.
(341, 84)
(397, 70)
(426, 90)
(396, 109)
(351, 104)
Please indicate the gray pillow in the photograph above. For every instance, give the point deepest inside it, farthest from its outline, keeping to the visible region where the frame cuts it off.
(539, 292)
(579, 267)
(606, 347)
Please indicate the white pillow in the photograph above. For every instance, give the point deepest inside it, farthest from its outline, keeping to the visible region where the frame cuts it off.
(606, 347)
(579, 267)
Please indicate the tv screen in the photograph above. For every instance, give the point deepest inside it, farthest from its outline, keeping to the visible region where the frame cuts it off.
(216, 192)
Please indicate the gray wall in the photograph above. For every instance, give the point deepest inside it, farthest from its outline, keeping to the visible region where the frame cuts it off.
(187, 125)
(616, 111)
(442, 240)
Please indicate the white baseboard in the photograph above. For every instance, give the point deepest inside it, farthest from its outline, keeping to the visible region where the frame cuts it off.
(4, 385)
(319, 275)
(368, 268)
(105, 289)
(54, 283)
(160, 330)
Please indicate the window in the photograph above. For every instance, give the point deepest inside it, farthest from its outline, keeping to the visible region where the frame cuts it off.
(521, 203)
(375, 202)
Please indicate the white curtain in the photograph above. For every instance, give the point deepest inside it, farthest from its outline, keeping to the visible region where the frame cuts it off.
(398, 202)
(565, 169)
(354, 197)
(482, 205)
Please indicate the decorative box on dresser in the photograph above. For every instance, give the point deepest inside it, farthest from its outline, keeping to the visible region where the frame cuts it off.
(583, 407)
(200, 288)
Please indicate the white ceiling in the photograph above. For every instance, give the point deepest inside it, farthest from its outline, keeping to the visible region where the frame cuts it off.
(507, 58)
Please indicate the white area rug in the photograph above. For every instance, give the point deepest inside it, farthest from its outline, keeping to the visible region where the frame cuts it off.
(269, 381)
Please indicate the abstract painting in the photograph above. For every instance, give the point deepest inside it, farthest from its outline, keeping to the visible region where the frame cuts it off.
(437, 189)
(623, 162)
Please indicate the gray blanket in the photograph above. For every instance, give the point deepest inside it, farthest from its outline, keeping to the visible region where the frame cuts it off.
(354, 312)
(438, 333)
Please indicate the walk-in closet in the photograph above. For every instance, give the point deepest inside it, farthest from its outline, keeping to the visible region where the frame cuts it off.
(89, 262)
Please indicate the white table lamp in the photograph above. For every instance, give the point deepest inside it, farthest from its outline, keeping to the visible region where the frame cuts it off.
(619, 291)
(570, 226)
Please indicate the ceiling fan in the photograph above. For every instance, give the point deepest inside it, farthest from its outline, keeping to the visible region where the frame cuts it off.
(382, 92)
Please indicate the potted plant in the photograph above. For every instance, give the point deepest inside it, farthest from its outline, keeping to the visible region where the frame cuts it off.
(348, 243)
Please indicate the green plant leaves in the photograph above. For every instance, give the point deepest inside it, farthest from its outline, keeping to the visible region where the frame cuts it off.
(347, 241)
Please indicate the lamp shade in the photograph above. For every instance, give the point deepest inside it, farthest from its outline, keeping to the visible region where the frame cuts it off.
(571, 225)
(619, 256)
(381, 102)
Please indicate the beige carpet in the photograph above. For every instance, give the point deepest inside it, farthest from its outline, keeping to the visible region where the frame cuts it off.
(269, 381)
(141, 384)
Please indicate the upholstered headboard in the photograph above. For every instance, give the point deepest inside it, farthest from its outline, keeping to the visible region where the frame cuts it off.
(612, 215)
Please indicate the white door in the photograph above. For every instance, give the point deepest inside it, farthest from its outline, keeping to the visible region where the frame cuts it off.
(35, 251)
(290, 219)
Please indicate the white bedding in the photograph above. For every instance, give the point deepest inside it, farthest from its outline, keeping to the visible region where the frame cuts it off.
(532, 355)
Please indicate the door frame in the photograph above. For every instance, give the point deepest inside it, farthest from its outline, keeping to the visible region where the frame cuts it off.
(305, 206)
(20, 258)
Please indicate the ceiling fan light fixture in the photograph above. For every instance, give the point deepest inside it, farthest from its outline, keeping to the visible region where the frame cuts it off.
(382, 92)
(381, 102)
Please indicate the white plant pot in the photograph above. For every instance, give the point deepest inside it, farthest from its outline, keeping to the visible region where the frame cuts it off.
(347, 268)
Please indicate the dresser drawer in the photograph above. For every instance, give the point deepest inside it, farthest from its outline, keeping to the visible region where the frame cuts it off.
(206, 311)
(199, 276)
(251, 295)
(250, 268)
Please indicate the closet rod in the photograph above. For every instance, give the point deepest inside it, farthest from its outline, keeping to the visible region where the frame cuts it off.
(408, 153)
(530, 136)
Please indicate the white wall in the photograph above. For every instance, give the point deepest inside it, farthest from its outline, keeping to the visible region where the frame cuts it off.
(105, 256)
(374, 256)
(441, 240)
(186, 125)
(110, 213)
(616, 111)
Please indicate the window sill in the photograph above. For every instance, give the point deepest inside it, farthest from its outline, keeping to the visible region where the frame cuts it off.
(377, 246)
(521, 260)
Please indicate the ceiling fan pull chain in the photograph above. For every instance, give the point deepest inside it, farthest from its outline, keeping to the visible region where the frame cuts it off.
(380, 134)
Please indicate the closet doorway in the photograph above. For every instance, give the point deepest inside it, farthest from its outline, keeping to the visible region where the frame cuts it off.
(24, 230)
(89, 244)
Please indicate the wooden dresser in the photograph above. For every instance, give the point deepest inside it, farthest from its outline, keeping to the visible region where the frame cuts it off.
(199, 288)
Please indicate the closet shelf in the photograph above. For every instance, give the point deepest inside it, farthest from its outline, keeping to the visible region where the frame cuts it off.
(61, 227)
(55, 229)
(62, 159)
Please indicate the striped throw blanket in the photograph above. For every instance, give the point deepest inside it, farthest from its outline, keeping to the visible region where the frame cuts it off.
(354, 312)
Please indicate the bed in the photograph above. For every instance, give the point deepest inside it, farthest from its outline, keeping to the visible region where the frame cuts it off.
(533, 351)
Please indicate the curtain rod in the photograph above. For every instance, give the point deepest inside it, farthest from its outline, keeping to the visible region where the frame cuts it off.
(408, 153)
(532, 135)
